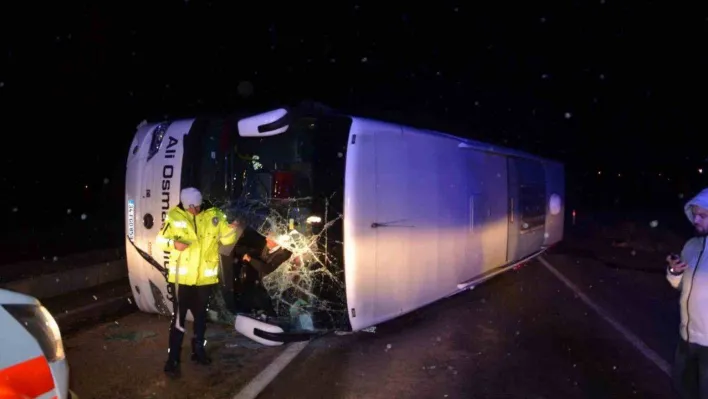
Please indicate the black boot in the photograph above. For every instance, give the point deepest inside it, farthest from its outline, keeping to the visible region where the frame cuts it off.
(172, 368)
(199, 354)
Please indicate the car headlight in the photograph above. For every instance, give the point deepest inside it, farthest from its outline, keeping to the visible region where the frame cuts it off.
(41, 325)
(157, 136)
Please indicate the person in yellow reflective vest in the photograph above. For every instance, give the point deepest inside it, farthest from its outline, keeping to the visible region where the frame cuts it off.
(192, 237)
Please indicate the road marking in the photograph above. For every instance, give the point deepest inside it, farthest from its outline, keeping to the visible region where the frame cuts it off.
(662, 364)
(258, 384)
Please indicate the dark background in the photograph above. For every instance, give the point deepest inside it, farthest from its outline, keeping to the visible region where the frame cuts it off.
(604, 86)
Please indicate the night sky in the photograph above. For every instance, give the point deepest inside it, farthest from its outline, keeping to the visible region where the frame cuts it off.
(602, 85)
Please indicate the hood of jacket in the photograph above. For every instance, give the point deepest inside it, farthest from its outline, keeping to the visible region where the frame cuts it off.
(701, 200)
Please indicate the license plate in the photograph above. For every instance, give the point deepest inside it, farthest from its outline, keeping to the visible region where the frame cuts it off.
(131, 220)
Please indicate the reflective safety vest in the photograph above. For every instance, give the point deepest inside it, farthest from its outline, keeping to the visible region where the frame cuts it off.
(199, 263)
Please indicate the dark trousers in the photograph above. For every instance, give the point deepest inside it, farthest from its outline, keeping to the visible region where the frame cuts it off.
(255, 298)
(194, 298)
(690, 371)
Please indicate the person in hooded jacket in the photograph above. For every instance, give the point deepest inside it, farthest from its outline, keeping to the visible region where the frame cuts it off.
(689, 273)
(192, 236)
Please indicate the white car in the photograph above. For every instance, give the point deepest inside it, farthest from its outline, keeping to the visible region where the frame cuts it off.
(32, 358)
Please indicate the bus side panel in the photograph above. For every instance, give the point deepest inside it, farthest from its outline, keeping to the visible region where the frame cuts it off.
(555, 184)
(152, 188)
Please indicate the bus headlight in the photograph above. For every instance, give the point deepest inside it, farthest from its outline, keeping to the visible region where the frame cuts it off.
(157, 135)
(37, 320)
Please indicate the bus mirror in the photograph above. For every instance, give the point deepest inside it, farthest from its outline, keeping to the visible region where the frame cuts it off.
(266, 124)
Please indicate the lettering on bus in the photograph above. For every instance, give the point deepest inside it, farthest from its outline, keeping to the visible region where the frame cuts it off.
(168, 172)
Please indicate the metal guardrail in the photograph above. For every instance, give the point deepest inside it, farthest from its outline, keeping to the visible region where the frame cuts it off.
(74, 277)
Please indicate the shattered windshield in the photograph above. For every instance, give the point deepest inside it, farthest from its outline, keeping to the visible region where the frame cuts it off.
(288, 188)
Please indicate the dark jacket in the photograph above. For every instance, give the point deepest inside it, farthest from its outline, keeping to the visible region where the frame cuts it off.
(268, 261)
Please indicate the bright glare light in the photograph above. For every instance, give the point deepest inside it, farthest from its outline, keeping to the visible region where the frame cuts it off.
(314, 219)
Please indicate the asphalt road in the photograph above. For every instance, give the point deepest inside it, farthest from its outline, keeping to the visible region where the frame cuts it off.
(123, 359)
(525, 334)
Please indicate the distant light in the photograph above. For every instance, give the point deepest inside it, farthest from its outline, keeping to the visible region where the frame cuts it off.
(599, 172)
(314, 219)
(700, 170)
(619, 174)
(86, 186)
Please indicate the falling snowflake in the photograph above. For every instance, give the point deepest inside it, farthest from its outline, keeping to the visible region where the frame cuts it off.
(83, 216)
(68, 211)
(15, 209)
(568, 115)
(105, 180)
(364, 59)
(654, 223)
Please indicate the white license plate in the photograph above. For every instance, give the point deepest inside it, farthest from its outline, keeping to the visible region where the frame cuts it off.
(131, 220)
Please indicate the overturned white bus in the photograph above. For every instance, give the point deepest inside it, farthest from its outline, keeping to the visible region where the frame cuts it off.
(378, 219)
